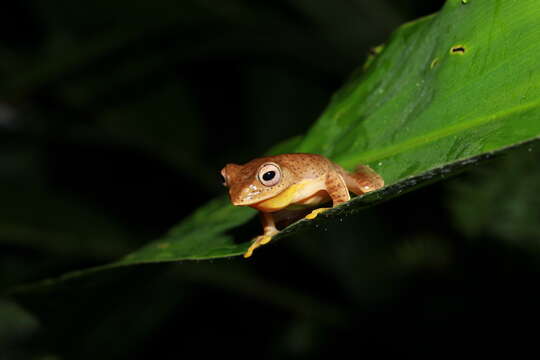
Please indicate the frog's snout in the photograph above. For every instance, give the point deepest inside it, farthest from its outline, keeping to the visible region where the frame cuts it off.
(244, 196)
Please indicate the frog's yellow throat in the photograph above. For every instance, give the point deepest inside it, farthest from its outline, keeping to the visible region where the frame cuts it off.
(307, 192)
(280, 201)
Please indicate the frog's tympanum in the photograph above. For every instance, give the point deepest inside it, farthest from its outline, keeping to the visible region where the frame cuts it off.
(275, 185)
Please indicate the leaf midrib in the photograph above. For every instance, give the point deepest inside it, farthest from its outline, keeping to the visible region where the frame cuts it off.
(424, 139)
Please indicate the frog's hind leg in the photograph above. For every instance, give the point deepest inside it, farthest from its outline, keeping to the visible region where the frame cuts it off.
(363, 180)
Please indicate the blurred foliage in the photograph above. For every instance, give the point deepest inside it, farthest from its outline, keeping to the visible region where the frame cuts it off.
(114, 119)
(498, 202)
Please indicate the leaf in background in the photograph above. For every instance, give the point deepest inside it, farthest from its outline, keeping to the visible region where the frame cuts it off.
(500, 201)
(36, 219)
(16, 325)
(155, 124)
(62, 226)
(447, 91)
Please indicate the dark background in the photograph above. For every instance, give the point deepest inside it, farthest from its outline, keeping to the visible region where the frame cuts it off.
(115, 119)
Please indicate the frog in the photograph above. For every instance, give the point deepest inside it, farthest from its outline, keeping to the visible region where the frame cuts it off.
(276, 185)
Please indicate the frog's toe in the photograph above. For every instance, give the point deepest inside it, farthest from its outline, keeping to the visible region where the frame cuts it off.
(312, 215)
(265, 239)
(257, 242)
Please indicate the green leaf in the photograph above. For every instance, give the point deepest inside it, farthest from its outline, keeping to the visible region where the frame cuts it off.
(446, 92)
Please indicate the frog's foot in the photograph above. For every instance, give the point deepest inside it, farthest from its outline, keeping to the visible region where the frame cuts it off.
(257, 242)
(312, 215)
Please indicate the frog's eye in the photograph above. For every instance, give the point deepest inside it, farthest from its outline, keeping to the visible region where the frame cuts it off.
(269, 174)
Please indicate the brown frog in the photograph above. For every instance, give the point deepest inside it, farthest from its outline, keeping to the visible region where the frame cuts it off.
(275, 184)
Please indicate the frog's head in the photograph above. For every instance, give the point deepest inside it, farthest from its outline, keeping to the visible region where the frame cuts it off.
(258, 180)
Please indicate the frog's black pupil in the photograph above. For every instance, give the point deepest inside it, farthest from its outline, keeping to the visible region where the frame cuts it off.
(269, 175)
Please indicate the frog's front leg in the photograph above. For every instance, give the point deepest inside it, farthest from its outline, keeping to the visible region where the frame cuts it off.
(269, 228)
(336, 189)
